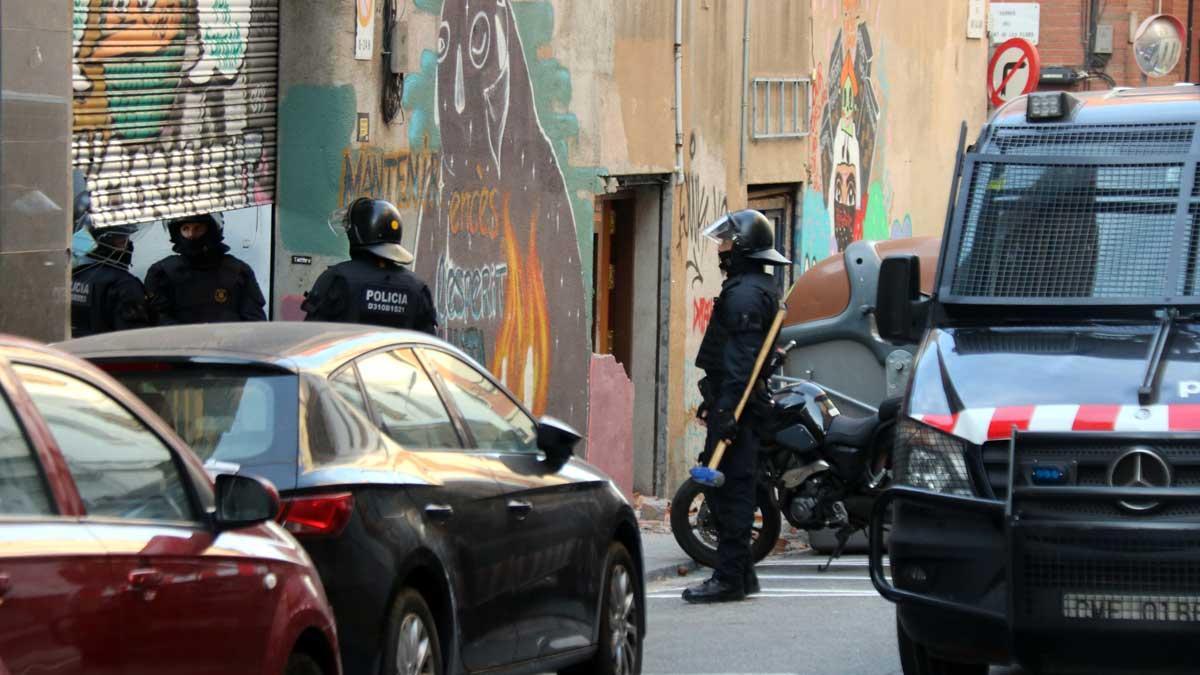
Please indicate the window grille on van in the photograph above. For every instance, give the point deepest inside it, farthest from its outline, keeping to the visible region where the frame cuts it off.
(1046, 230)
(1151, 141)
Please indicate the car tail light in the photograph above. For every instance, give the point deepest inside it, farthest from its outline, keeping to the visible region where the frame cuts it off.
(317, 515)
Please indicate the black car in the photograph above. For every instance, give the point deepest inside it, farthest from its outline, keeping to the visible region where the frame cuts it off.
(452, 531)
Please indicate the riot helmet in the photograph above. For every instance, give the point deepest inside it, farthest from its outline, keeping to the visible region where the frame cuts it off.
(374, 225)
(752, 236)
(209, 243)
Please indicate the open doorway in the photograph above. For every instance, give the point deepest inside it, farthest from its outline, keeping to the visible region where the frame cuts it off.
(615, 246)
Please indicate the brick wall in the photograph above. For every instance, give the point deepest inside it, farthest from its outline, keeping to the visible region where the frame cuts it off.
(1062, 38)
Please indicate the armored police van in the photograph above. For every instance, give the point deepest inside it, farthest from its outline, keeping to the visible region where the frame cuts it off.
(1047, 508)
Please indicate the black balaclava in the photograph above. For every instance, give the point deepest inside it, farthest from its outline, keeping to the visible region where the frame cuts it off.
(106, 254)
(733, 263)
(208, 248)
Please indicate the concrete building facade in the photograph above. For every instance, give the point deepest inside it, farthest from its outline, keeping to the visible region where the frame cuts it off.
(555, 162)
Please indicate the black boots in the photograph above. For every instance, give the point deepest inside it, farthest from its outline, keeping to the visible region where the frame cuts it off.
(713, 590)
(751, 582)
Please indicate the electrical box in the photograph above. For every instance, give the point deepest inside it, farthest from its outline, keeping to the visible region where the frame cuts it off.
(399, 47)
(1104, 39)
(1059, 75)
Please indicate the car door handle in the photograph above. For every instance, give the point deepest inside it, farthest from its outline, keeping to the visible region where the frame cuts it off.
(143, 579)
(439, 511)
(520, 508)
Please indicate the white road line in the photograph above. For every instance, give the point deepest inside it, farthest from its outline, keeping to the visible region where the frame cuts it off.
(815, 594)
(816, 563)
(813, 577)
(849, 591)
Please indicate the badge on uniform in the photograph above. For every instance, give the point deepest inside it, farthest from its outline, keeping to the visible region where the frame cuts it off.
(81, 293)
(221, 296)
(384, 299)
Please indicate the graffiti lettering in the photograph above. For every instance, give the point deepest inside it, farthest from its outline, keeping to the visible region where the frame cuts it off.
(474, 212)
(475, 294)
(702, 310)
(470, 340)
(403, 178)
(700, 207)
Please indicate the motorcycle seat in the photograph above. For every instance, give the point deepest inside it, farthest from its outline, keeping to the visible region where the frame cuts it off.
(855, 432)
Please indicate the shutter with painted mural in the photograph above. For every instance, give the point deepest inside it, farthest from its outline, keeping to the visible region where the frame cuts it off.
(175, 106)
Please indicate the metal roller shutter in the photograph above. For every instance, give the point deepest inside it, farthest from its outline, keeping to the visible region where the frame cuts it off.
(175, 105)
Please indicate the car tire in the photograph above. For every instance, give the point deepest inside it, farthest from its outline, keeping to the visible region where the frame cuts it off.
(916, 660)
(412, 637)
(302, 664)
(698, 540)
(620, 648)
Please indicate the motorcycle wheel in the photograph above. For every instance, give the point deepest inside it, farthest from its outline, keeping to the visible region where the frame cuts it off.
(695, 527)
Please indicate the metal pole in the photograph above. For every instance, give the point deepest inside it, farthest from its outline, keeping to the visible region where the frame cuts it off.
(1187, 69)
(679, 91)
(745, 86)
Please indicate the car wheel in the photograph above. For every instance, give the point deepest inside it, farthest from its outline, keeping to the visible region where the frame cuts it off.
(302, 664)
(412, 646)
(916, 660)
(620, 648)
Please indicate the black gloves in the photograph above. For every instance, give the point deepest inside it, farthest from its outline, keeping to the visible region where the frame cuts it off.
(722, 424)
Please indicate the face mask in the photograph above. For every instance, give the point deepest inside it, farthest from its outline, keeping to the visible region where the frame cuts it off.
(726, 259)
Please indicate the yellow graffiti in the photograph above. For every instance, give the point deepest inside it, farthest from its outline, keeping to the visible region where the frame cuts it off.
(522, 356)
(404, 178)
(474, 212)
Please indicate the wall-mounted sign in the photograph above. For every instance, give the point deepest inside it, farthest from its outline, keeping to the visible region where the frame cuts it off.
(364, 127)
(1008, 20)
(976, 18)
(364, 29)
(301, 260)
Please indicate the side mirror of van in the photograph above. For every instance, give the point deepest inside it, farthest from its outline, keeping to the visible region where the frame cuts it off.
(900, 311)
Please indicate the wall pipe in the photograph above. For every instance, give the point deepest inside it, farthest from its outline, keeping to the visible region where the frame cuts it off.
(1187, 69)
(679, 91)
(745, 91)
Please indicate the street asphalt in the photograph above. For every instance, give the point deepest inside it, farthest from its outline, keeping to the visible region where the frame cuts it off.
(804, 622)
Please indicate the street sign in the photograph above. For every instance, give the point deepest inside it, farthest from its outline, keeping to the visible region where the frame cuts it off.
(1007, 20)
(976, 18)
(1013, 71)
(364, 29)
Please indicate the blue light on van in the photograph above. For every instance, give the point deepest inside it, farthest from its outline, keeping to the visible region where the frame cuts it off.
(1048, 475)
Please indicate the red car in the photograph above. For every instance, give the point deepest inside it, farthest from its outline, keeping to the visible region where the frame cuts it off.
(118, 553)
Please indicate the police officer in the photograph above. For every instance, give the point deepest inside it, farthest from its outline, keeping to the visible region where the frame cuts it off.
(104, 295)
(741, 319)
(373, 287)
(202, 283)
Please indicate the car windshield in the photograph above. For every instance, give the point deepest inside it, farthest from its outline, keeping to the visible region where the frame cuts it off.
(1061, 214)
(231, 416)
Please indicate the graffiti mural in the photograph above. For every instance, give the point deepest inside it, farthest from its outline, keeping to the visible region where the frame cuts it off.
(500, 238)
(174, 105)
(848, 127)
(701, 205)
(846, 199)
(404, 178)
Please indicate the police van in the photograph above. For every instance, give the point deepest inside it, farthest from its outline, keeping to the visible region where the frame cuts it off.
(1047, 466)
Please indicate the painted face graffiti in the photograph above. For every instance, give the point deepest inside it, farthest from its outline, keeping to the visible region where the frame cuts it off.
(501, 225)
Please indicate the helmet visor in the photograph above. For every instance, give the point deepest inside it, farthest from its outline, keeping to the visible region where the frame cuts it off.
(339, 221)
(721, 230)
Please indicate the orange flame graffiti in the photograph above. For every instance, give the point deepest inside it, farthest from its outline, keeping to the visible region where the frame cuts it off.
(522, 356)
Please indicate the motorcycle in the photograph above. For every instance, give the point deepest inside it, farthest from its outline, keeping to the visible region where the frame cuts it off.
(817, 468)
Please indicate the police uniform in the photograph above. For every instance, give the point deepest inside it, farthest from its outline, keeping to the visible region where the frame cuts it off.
(105, 298)
(742, 316)
(222, 288)
(372, 291)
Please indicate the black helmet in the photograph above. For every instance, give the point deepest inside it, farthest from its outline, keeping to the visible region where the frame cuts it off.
(114, 244)
(215, 226)
(374, 225)
(752, 235)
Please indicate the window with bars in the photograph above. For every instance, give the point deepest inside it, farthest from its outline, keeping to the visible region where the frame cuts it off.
(780, 107)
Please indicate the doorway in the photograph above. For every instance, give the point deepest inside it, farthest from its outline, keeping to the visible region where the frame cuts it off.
(778, 204)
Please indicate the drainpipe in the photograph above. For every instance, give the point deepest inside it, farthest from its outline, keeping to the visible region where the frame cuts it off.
(678, 92)
(1187, 69)
(745, 94)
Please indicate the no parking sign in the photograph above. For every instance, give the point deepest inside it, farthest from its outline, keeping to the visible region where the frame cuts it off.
(1014, 70)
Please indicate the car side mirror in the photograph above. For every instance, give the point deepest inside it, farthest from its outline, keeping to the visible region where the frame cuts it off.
(243, 501)
(557, 439)
(900, 311)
